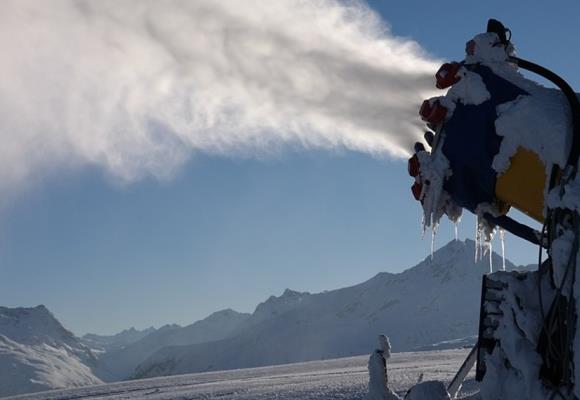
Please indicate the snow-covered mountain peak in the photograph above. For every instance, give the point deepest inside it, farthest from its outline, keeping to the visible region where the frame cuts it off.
(453, 250)
(38, 353)
(24, 312)
(34, 325)
(459, 257)
(291, 293)
(289, 300)
(223, 314)
(169, 327)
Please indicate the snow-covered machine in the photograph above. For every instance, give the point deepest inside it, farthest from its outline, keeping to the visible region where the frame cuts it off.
(499, 140)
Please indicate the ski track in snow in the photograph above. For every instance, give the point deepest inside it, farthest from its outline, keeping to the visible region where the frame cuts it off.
(345, 378)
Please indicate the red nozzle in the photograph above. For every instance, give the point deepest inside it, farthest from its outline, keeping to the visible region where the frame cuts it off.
(446, 76)
(413, 166)
(417, 188)
(434, 114)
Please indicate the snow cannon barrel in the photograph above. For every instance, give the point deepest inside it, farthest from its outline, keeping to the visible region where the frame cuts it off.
(471, 142)
(447, 75)
(500, 139)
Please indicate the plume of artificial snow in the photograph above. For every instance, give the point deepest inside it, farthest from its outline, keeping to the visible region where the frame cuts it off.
(138, 86)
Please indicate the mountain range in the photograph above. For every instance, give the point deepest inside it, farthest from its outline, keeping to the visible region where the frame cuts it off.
(434, 302)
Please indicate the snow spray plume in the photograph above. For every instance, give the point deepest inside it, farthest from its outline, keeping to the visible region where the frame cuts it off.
(137, 86)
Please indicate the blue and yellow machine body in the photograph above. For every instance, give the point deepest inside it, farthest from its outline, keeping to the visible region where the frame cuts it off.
(470, 145)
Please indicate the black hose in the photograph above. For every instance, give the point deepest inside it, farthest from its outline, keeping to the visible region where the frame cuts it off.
(516, 228)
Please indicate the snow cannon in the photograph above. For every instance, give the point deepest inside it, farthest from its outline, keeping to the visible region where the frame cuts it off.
(497, 139)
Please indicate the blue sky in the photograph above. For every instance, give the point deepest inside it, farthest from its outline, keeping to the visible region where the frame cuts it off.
(228, 232)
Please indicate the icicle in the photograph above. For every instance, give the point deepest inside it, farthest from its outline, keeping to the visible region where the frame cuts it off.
(478, 241)
(490, 257)
(484, 232)
(456, 235)
(433, 233)
(476, 238)
(502, 238)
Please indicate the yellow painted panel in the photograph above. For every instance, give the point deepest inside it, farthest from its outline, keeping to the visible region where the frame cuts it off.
(522, 185)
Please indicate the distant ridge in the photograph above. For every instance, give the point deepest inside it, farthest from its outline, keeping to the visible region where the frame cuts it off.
(433, 302)
(109, 343)
(219, 325)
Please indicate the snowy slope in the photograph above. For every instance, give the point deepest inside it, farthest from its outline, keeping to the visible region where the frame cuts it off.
(436, 300)
(109, 343)
(345, 378)
(218, 325)
(38, 353)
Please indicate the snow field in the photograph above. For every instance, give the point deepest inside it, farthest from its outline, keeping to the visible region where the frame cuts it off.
(345, 378)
